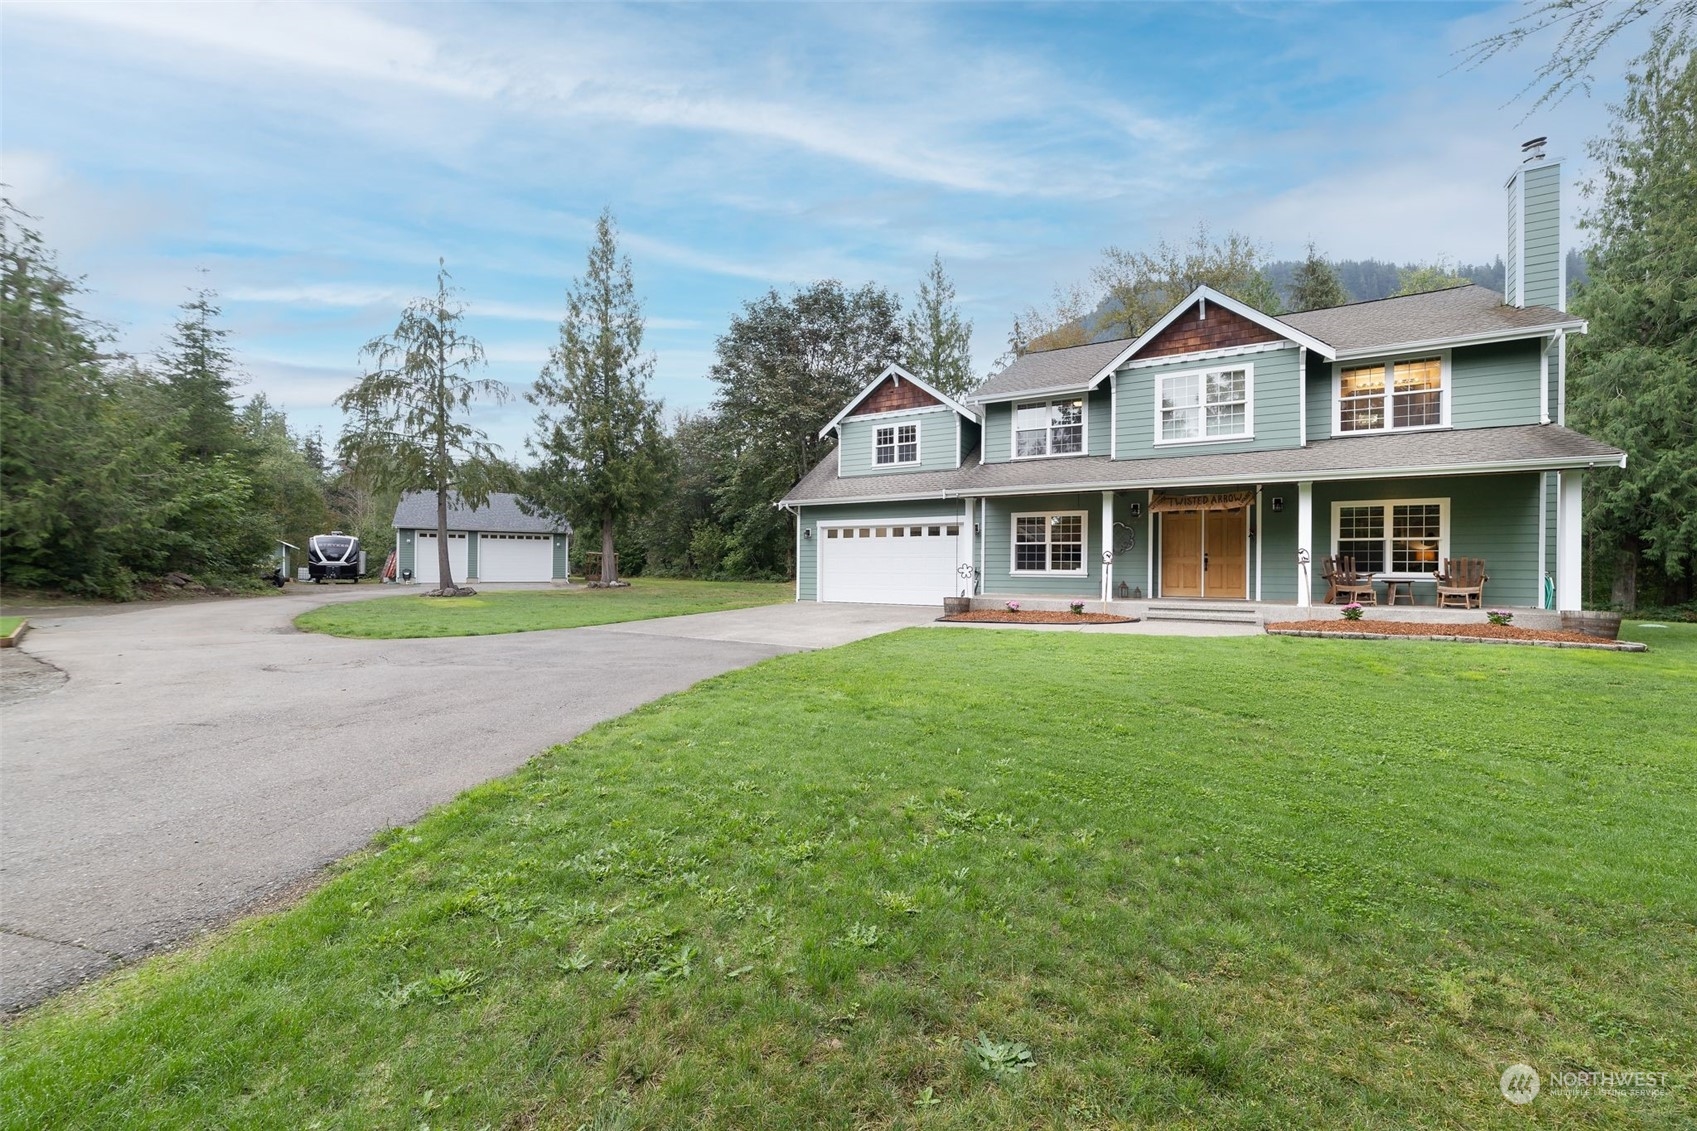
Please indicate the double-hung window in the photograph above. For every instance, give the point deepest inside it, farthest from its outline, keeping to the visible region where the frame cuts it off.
(1049, 428)
(1049, 543)
(896, 444)
(1400, 536)
(1210, 404)
(1385, 395)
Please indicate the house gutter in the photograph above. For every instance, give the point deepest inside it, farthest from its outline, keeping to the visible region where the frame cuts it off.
(1483, 338)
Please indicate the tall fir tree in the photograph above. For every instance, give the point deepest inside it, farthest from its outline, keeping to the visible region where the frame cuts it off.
(1314, 285)
(1634, 376)
(200, 371)
(411, 409)
(598, 437)
(939, 340)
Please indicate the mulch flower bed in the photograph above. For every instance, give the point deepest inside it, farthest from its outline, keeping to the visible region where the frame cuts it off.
(1498, 633)
(1033, 616)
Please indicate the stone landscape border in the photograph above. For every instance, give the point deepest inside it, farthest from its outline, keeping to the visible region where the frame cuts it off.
(1600, 646)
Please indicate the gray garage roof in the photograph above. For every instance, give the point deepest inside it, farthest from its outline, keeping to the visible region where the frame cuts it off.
(501, 515)
(1526, 447)
(1458, 313)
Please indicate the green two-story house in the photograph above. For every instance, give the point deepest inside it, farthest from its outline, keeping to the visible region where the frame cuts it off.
(1225, 453)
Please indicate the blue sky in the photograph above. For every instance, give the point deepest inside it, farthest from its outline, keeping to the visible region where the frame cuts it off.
(315, 159)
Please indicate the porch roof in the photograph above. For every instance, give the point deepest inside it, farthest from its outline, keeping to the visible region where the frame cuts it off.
(1468, 451)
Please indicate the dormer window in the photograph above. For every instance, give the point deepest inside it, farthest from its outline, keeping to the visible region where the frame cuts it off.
(896, 444)
(1389, 395)
(1049, 428)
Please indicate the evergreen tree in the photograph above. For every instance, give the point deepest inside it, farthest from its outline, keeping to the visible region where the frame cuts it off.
(410, 428)
(939, 342)
(1634, 376)
(199, 370)
(1314, 285)
(1423, 277)
(598, 435)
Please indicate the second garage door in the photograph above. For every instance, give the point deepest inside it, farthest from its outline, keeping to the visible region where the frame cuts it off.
(911, 564)
(515, 557)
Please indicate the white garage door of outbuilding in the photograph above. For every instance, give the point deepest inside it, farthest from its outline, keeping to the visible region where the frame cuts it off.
(515, 557)
(425, 557)
(915, 563)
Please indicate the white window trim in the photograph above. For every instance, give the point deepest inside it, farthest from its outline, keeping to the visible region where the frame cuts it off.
(1443, 505)
(1248, 432)
(895, 427)
(1389, 362)
(1013, 544)
(1084, 424)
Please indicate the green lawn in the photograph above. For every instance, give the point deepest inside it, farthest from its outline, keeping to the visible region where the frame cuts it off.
(9, 625)
(1245, 883)
(527, 610)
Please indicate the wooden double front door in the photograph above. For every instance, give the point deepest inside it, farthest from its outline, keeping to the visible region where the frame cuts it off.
(1205, 553)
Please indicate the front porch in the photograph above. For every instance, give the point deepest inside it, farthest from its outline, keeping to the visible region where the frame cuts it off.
(1265, 612)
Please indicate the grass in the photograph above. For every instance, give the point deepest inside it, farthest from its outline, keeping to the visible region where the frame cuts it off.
(528, 610)
(9, 625)
(1079, 881)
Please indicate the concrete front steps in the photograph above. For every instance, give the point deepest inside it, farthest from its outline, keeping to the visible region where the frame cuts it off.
(1213, 612)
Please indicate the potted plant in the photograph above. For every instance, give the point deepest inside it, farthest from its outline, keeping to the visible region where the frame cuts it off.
(954, 606)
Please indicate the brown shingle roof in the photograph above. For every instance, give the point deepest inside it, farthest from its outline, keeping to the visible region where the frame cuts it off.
(1458, 312)
(1534, 446)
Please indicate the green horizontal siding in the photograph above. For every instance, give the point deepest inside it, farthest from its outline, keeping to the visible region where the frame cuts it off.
(1098, 423)
(1543, 235)
(1319, 398)
(971, 435)
(1275, 399)
(998, 547)
(998, 433)
(1275, 537)
(1511, 266)
(1131, 540)
(1495, 385)
(937, 451)
(404, 551)
(562, 557)
(807, 557)
(1494, 517)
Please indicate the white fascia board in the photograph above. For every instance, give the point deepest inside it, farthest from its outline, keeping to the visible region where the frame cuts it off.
(1031, 394)
(1495, 467)
(900, 374)
(1209, 355)
(1483, 338)
(1209, 294)
(925, 496)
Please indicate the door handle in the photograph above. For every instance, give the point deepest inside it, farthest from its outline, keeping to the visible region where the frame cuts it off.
(1204, 563)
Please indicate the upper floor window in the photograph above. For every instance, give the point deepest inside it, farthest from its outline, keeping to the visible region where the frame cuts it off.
(896, 443)
(1049, 428)
(1210, 404)
(1401, 394)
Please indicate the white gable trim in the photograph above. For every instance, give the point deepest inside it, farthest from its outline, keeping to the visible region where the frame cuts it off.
(1206, 295)
(899, 374)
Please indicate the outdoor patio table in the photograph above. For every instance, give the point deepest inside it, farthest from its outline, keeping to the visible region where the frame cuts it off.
(1395, 586)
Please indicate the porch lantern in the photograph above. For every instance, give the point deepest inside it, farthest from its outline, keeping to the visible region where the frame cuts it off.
(1125, 591)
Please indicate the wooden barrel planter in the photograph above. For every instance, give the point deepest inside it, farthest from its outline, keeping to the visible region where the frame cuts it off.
(954, 606)
(1592, 622)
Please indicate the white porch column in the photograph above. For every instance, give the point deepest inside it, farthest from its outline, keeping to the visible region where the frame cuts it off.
(1304, 544)
(1569, 546)
(1107, 545)
(967, 552)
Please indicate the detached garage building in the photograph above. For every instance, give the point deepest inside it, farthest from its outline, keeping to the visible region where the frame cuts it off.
(491, 543)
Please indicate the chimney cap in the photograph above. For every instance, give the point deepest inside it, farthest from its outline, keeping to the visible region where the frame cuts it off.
(1533, 149)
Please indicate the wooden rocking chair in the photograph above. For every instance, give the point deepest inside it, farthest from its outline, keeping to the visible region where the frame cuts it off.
(1328, 574)
(1462, 583)
(1349, 586)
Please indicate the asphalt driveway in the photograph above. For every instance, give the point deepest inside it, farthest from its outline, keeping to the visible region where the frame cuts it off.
(197, 759)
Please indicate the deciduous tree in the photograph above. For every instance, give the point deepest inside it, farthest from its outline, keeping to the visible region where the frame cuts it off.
(411, 411)
(1142, 286)
(598, 438)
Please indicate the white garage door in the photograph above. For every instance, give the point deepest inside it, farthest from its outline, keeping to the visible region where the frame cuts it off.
(424, 559)
(515, 557)
(880, 563)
